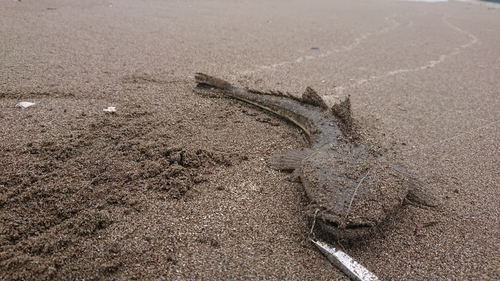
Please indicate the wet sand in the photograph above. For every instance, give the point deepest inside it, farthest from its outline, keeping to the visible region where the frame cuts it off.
(175, 185)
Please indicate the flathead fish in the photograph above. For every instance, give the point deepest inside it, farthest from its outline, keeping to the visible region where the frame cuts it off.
(351, 184)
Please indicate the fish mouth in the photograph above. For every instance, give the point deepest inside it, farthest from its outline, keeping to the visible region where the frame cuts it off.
(350, 232)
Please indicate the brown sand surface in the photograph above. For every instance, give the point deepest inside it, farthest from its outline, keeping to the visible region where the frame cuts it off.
(175, 185)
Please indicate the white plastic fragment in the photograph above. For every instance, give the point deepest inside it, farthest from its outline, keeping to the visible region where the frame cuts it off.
(25, 104)
(110, 109)
(350, 267)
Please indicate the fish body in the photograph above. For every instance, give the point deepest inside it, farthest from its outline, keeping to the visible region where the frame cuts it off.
(311, 117)
(351, 185)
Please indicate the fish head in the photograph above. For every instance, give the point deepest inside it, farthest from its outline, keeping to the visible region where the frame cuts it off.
(352, 189)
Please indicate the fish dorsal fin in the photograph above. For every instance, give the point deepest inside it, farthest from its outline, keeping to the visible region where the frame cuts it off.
(343, 109)
(311, 97)
(343, 112)
(289, 160)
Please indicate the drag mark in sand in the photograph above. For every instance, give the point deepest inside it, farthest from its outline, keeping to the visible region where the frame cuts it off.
(460, 134)
(430, 64)
(357, 41)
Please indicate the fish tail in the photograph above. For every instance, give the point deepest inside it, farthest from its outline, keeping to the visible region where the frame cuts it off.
(204, 79)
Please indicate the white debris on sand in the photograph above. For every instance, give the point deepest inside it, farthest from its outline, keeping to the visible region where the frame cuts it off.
(25, 104)
(110, 109)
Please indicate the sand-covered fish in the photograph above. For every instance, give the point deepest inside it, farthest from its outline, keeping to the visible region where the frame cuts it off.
(351, 185)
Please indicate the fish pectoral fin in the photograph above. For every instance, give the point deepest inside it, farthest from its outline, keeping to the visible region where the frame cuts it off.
(311, 97)
(289, 160)
(294, 176)
(420, 195)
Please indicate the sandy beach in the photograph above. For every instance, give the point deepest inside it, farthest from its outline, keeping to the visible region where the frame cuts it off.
(175, 185)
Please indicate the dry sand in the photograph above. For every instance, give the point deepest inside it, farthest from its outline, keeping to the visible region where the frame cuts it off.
(175, 185)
